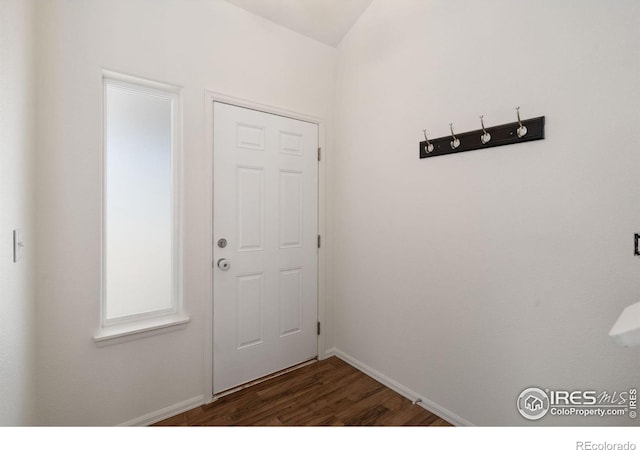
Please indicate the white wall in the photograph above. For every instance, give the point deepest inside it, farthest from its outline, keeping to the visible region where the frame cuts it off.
(467, 278)
(17, 138)
(197, 44)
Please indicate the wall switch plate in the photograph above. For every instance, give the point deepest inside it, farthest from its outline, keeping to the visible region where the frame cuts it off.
(18, 245)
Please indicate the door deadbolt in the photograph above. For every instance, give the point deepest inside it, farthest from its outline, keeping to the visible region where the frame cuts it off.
(222, 243)
(223, 264)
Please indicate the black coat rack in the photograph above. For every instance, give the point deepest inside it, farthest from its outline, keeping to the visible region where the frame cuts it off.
(510, 133)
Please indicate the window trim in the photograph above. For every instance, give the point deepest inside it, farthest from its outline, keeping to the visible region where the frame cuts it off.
(174, 315)
(134, 330)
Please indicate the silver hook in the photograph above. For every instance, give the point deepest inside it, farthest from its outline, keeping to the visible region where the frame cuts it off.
(486, 137)
(522, 130)
(455, 143)
(429, 146)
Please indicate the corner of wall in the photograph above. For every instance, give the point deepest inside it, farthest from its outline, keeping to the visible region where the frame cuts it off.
(17, 140)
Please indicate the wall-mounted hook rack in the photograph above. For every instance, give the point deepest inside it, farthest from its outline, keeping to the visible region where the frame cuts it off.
(474, 140)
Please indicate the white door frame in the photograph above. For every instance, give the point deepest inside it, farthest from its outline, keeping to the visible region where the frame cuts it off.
(210, 97)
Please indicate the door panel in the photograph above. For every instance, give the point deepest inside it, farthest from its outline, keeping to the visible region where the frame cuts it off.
(265, 206)
(250, 208)
(290, 209)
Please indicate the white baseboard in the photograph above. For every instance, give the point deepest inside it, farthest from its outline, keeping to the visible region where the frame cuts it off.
(427, 404)
(164, 413)
(328, 353)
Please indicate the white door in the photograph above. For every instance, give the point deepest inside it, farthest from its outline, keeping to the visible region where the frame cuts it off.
(265, 206)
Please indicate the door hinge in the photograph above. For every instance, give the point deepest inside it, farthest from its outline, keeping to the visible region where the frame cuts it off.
(319, 241)
(319, 153)
(318, 328)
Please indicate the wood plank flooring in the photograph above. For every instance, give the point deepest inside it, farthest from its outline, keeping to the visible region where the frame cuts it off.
(329, 392)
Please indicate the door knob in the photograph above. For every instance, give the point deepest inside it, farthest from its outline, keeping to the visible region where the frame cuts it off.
(223, 264)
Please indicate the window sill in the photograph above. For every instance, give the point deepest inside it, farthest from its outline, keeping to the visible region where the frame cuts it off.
(142, 328)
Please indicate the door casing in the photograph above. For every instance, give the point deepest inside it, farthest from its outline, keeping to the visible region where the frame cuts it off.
(210, 98)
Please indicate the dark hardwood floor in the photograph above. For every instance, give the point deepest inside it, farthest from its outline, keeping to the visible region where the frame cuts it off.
(328, 392)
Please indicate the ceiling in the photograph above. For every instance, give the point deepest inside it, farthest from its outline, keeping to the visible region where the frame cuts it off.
(323, 20)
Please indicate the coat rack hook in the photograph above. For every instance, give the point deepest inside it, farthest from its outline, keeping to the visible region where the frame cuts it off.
(429, 146)
(485, 137)
(455, 143)
(522, 130)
